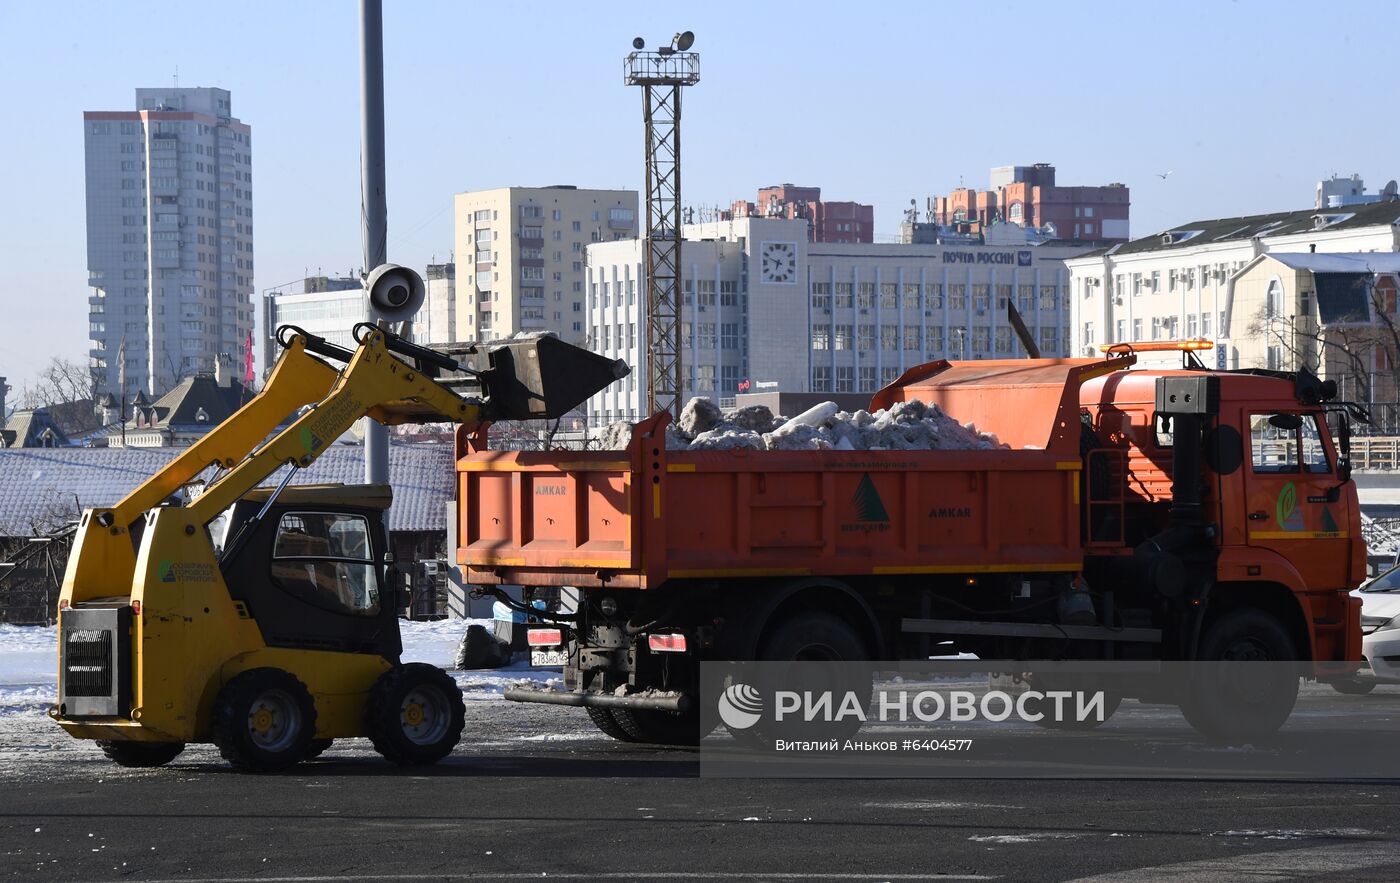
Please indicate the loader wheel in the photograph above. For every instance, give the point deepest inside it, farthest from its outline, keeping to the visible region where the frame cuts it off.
(660, 727)
(604, 720)
(1249, 689)
(1354, 686)
(141, 754)
(415, 714)
(318, 747)
(264, 720)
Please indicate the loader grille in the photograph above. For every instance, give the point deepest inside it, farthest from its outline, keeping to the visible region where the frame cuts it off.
(96, 660)
(87, 659)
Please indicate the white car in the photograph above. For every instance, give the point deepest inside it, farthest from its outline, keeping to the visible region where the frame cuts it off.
(1380, 633)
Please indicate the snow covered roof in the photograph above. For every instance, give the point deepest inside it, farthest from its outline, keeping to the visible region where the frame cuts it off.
(45, 485)
(1340, 262)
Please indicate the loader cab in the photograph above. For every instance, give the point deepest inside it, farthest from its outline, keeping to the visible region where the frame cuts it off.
(310, 568)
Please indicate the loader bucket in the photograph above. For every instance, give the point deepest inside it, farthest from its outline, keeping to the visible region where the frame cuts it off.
(542, 377)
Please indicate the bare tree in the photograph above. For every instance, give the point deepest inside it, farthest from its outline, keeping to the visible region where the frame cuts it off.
(62, 380)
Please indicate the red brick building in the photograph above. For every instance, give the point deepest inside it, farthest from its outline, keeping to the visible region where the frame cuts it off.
(826, 221)
(1028, 196)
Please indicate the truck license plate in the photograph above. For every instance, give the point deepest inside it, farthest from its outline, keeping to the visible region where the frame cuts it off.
(555, 658)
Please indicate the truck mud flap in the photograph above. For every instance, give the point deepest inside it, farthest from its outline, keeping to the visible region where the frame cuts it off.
(648, 701)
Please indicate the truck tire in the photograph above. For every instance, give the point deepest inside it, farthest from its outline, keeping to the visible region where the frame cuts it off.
(660, 727)
(1221, 706)
(264, 720)
(1354, 686)
(814, 636)
(1074, 724)
(141, 754)
(820, 639)
(415, 714)
(318, 747)
(604, 720)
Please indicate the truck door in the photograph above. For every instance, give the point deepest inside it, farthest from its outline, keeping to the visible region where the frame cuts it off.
(1287, 487)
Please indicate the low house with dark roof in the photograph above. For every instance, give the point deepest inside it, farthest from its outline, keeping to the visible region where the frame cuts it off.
(1181, 283)
(181, 416)
(32, 428)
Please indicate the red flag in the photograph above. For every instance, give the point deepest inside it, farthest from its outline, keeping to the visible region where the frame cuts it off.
(248, 374)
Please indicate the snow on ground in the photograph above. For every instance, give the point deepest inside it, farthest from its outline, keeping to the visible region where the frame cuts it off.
(29, 660)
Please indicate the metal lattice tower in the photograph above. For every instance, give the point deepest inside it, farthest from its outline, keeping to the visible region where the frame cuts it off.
(662, 75)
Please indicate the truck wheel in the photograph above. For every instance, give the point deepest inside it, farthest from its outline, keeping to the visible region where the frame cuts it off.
(263, 721)
(141, 754)
(415, 714)
(604, 720)
(1072, 723)
(318, 747)
(660, 727)
(1354, 686)
(812, 637)
(1237, 702)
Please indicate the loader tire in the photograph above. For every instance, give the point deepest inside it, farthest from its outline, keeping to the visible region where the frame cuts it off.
(660, 727)
(264, 721)
(141, 754)
(415, 714)
(318, 747)
(1354, 686)
(1243, 700)
(604, 720)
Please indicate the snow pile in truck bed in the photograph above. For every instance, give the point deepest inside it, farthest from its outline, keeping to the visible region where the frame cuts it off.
(905, 426)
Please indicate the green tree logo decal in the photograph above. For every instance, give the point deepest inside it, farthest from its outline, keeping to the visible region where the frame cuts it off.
(1286, 509)
(869, 506)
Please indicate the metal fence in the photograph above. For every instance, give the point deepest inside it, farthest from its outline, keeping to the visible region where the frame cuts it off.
(31, 575)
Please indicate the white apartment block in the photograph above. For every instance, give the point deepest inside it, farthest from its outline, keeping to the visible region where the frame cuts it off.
(1182, 283)
(764, 305)
(520, 252)
(326, 306)
(169, 237)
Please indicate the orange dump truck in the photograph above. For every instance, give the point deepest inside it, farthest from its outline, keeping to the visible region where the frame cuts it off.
(1131, 514)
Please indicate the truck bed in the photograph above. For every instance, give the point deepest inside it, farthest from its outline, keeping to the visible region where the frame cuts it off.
(639, 517)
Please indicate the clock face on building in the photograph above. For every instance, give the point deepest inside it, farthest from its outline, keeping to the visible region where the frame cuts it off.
(779, 262)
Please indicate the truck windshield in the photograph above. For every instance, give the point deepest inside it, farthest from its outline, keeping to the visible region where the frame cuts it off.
(1277, 449)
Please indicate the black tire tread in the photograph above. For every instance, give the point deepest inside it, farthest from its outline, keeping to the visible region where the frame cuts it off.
(230, 713)
(382, 724)
(140, 755)
(605, 720)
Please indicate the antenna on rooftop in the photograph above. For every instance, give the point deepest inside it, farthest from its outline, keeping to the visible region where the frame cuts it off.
(177, 76)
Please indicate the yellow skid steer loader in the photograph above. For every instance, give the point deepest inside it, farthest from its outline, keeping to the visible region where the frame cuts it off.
(260, 618)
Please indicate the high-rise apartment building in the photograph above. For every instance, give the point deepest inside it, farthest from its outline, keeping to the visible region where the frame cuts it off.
(169, 236)
(520, 256)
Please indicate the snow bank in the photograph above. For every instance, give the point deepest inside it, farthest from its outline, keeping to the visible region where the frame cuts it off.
(906, 426)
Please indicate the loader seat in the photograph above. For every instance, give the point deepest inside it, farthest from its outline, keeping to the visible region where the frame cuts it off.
(301, 562)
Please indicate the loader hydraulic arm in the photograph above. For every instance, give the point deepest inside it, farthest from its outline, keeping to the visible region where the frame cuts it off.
(299, 379)
(376, 384)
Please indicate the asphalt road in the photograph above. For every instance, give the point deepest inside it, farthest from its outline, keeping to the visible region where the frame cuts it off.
(575, 806)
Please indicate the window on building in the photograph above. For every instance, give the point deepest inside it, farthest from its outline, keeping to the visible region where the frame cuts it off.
(843, 296)
(889, 337)
(1003, 339)
(981, 297)
(1088, 333)
(821, 378)
(867, 378)
(889, 296)
(866, 295)
(1049, 341)
(845, 378)
(912, 341)
(867, 338)
(729, 335)
(911, 297)
(705, 335)
(1137, 329)
(821, 300)
(981, 339)
(1003, 296)
(957, 297)
(821, 339)
(704, 378)
(1120, 331)
(843, 337)
(933, 296)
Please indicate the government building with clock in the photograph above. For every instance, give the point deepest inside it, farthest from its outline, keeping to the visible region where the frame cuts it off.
(764, 305)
